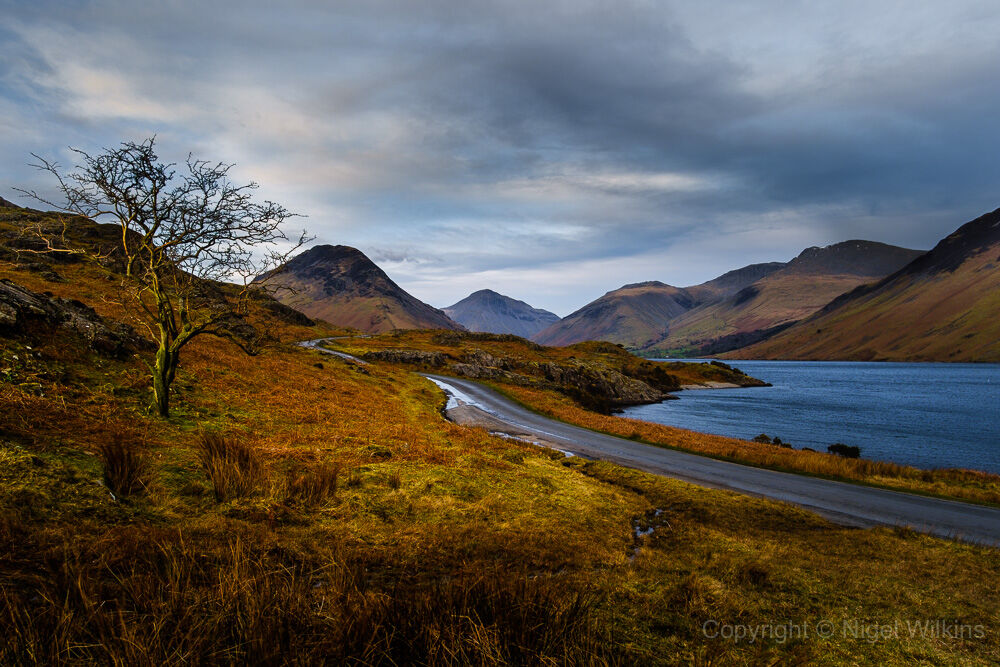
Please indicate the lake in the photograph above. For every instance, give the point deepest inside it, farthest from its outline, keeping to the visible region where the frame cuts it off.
(923, 414)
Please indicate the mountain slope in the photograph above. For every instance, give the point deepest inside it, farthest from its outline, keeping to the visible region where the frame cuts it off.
(492, 312)
(633, 315)
(781, 298)
(943, 306)
(638, 314)
(731, 282)
(341, 285)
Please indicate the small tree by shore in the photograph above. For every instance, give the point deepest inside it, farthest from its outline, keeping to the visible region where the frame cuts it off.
(183, 232)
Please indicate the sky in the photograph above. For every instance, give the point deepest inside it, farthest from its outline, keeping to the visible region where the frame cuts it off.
(551, 151)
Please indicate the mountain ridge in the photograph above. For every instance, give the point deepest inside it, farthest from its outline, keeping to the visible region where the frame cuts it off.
(789, 294)
(940, 307)
(652, 316)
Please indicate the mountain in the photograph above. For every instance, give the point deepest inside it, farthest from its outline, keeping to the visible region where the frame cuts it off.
(341, 285)
(6, 204)
(489, 311)
(731, 282)
(633, 315)
(780, 298)
(942, 306)
(637, 315)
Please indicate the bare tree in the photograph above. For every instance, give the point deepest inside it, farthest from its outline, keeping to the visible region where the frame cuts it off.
(183, 232)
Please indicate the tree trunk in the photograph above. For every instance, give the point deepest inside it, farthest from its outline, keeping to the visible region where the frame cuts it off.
(163, 376)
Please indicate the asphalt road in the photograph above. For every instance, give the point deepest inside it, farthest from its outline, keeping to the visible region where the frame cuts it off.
(841, 502)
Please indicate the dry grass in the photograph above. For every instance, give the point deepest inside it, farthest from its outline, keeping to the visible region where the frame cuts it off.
(126, 469)
(173, 603)
(235, 468)
(314, 486)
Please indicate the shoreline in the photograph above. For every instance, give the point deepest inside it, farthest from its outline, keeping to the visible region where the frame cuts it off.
(712, 385)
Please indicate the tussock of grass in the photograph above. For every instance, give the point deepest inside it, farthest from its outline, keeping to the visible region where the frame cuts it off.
(234, 467)
(126, 470)
(314, 486)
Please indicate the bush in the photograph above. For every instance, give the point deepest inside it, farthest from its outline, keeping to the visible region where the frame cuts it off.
(126, 469)
(763, 438)
(234, 468)
(847, 451)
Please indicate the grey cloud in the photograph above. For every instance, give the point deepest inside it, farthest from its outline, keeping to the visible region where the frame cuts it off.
(507, 136)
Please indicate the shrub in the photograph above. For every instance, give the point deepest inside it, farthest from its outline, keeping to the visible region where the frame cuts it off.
(316, 486)
(234, 468)
(847, 451)
(126, 469)
(394, 480)
(763, 438)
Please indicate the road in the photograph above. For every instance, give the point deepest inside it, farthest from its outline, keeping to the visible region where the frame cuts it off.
(317, 344)
(842, 502)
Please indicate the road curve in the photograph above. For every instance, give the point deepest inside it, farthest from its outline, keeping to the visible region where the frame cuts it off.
(317, 344)
(842, 502)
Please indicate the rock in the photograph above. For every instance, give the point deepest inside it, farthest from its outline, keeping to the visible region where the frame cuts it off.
(403, 356)
(594, 385)
(20, 308)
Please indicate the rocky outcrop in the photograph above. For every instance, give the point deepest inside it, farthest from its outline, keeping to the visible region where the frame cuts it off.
(594, 385)
(401, 356)
(22, 309)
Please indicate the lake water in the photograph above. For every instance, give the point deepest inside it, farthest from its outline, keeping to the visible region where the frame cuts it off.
(926, 415)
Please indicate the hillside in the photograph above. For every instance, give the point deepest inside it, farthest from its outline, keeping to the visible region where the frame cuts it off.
(943, 306)
(491, 312)
(632, 315)
(779, 299)
(340, 285)
(639, 314)
(307, 509)
(731, 282)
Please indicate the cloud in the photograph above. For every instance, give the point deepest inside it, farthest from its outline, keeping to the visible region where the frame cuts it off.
(559, 149)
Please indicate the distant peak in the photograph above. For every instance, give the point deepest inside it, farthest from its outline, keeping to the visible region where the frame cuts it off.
(853, 244)
(333, 251)
(648, 283)
(854, 257)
